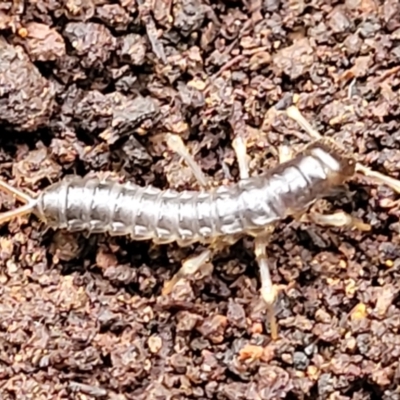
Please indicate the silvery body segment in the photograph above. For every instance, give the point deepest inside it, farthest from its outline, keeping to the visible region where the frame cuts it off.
(164, 216)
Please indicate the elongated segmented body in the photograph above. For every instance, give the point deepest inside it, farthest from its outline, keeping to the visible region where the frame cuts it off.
(164, 216)
(217, 216)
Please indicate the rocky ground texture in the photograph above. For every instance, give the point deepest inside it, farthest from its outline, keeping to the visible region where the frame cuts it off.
(93, 86)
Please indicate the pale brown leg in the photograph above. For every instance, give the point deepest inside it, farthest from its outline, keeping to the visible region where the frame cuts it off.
(12, 191)
(19, 195)
(239, 146)
(193, 264)
(294, 113)
(338, 219)
(379, 178)
(189, 267)
(19, 212)
(268, 290)
(285, 154)
(175, 143)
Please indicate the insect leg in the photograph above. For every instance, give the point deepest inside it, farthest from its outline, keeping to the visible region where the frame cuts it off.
(189, 267)
(269, 291)
(295, 114)
(175, 143)
(239, 146)
(285, 154)
(19, 195)
(338, 219)
(376, 176)
(193, 264)
(12, 191)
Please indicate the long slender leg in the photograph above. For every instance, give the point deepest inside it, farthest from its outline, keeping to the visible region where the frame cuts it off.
(19, 212)
(175, 143)
(19, 195)
(239, 146)
(285, 154)
(193, 264)
(338, 219)
(379, 178)
(12, 191)
(294, 113)
(268, 290)
(189, 267)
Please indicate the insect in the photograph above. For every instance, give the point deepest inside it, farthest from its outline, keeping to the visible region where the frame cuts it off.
(216, 217)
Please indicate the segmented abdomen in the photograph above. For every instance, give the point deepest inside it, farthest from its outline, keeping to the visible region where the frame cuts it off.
(81, 204)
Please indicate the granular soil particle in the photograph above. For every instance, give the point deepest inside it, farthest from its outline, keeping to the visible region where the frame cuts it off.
(92, 87)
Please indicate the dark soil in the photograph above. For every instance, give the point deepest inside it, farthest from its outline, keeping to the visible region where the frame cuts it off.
(93, 86)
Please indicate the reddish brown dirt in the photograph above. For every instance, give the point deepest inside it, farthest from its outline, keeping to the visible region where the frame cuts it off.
(93, 86)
